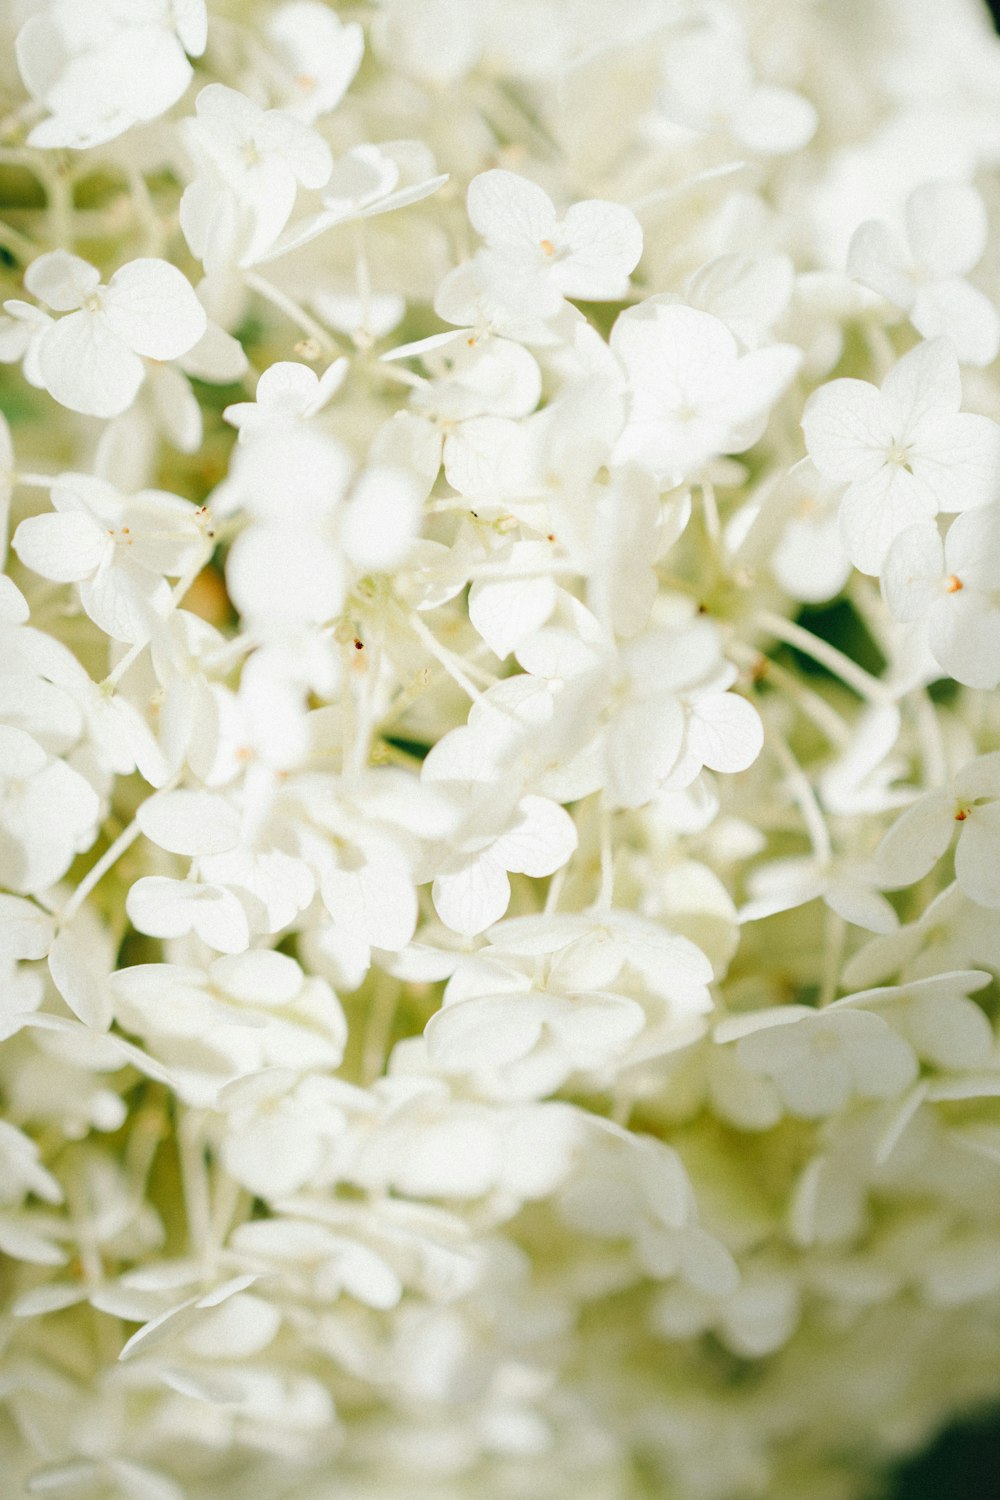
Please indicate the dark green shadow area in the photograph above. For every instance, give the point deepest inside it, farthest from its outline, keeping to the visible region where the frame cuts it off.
(964, 1464)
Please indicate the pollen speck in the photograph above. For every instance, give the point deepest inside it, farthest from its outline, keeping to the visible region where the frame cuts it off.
(953, 583)
(548, 247)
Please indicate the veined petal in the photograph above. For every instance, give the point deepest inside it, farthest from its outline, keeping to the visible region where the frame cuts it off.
(847, 430)
(151, 306)
(924, 386)
(874, 511)
(86, 366)
(542, 839)
(958, 459)
(472, 897)
(506, 209)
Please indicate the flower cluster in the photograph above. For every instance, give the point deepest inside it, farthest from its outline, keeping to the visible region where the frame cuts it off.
(499, 786)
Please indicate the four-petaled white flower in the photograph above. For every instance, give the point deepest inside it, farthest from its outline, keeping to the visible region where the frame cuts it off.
(251, 163)
(118, 548)
(91, 359)
(946, 233)
(320, 55)
(691, 394)
(954, 587)
(818, 1060)
(905, 452)
(102, 66)
(532, 259)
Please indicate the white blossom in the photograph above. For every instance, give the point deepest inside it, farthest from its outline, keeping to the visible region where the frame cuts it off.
(100, 68)
(951, 586)
(920, 836)
(946, 237)
(905, 451)
(498, 835)
(691, 394)
(90, 359)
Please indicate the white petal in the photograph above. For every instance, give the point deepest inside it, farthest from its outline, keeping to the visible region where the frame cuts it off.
(382, 519)
(925, 384)
(189, 822)
(725, 732)
(963, 314)
(473, 897)
(875, 511)
(87, 368)
(171, 908)
(65, 547)
(151, 306)
(507, 209)
(506, 613)
(846, 429)
(952, 1033)
(876, 259)
(958, 460)
(85, 991)
(913, 571)
(916, 841)
(977, 857)
(485, 1032)
(964, 636)
(541, 841)
(62, 281)
(125, 601)
(25, 930)
(605, 245)
(946, 226)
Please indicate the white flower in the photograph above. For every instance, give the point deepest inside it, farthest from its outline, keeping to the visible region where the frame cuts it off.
(905, 452)
(691, 394)
(319, 54)
(116, 547)
(252, 161)
(708, 81)
(656, 707)
(526, 835)
(809, 560)
(245, 1012)
(89, 360)
(917, 840)
(536, 258)
(954, 587)
(279, 1128)
(287, 392)
(101, 66)
(818, 1060)
(522, 1033)
(936, 1016)
(946, 233)
(48, 813)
